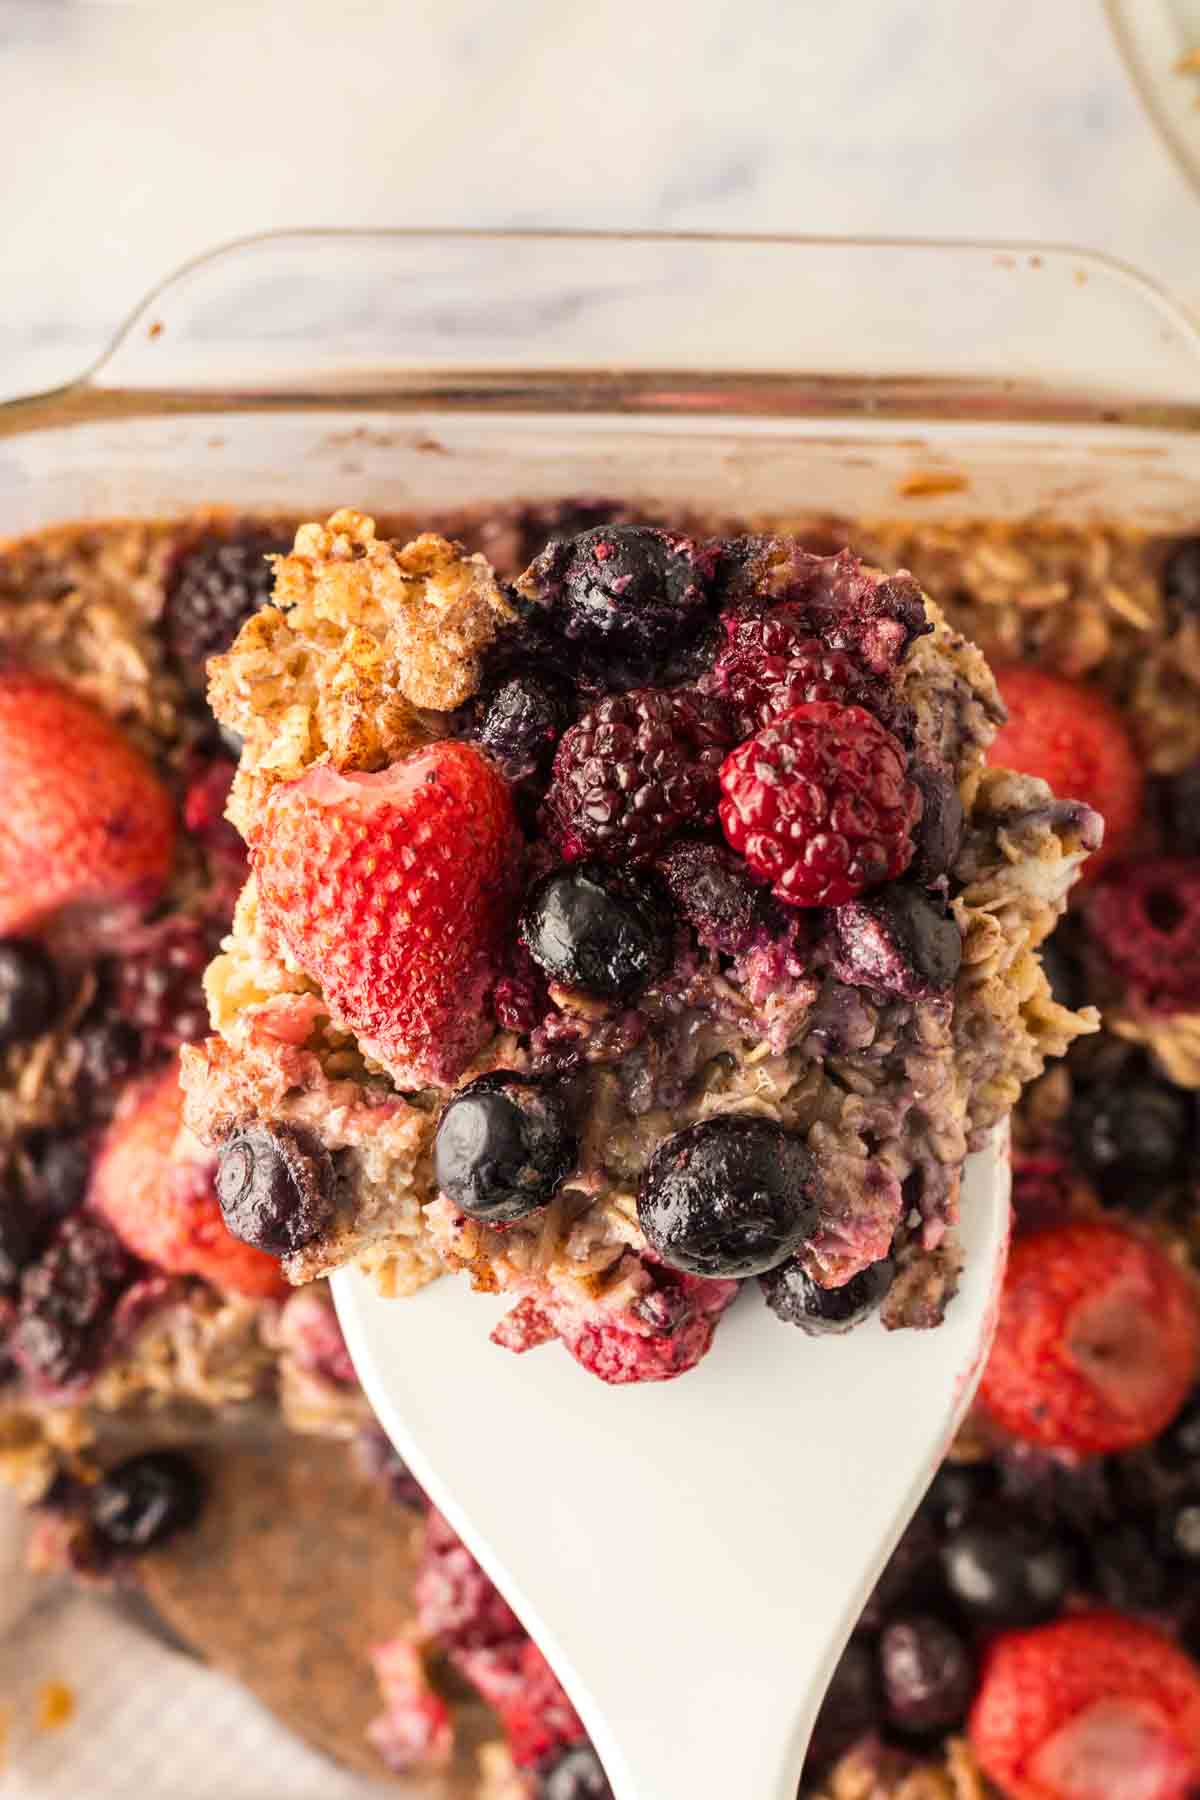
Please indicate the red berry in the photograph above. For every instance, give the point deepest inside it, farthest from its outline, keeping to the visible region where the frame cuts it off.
(1097, 1340)
(153, 1183)
(772, 663)
(394, 891)
(87, 822)
(1145, 917)
(456, 1602)
(1095, 1707)
(820, 804)
(634, 770)
(518, 1683)
(1077, 741)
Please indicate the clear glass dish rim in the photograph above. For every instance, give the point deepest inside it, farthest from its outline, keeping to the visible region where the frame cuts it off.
(90, 398)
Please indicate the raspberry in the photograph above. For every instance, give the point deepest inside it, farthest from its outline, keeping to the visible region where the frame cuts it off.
(1074, 739)
(1145, 919)
(456, 1602)
(771, 663)
(715, 892)
(1097, 1340)
(1094, 1707)
(211, 590)
(685, 1310)
(820, 804)
(519, 1684)
(67, 1299)
(626, 596)
(836, 597)
(634, 770)
(394, 891)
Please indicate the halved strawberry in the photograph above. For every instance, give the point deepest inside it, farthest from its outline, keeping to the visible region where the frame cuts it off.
(1075, 739)
(153, 1182)
(86, 822)
(1097, 1341)
(1095, 1707)
(392, 891)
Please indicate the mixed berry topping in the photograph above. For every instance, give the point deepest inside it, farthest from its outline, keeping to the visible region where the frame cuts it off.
(601, 931)
(897, 942)
(214, 586)
(820, 804)
(504, 1144)
(728, 1197)
(145, 1500)
(66, 1302)
(29, 995)
(637, 768)
(276, 1185)
(797, 1299)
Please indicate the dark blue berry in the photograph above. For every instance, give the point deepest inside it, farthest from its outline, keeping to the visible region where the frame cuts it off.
(957, 1490)
(1181, 581)
(572, 1774)
(938, 834)
(29, 992)
(927, 1674)
(1131, 1136)
(276, 1185)
(212, 589)
(797, 1299)
(909, 1580)
(1125, 1570)
(145, 1500)
(850, 1709)
(729, 1196)
(67, 1300)
(625, 595)
(110, 1050)
(61, 1169)
(606, 932)
(504, 1144)
(897, 942)
(1179, 1530)
(521, 719)
(1005, 1572)
(713, 890)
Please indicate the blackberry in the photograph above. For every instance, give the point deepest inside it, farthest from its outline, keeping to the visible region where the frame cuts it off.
(730, 1196)
(146, 1500)
(1004, 1572)
(836, 597)
(29, 994)
(1181, 581)
(276, 1184)
(110, 1051)
(851, 1707)
(636, 769)
(504, 1145)
(61, 1166)
(1125, 1570)
(573, 1774)
(160, 989)
(772, 662)
(927, 1673)
(1131, 1138)
(520, 720)
(797, 1299)
(938, 833)
(67, 1299)
(626, 596)
(714, 891)
(897, 942)
(605, 932)
(213, 587)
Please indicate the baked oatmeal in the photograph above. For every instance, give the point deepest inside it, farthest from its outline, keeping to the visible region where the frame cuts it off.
(1015, 1534)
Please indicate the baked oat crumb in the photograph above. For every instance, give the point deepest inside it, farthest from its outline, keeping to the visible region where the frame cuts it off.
(55, 1705)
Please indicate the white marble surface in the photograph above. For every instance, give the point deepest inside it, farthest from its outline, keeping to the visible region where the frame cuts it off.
(135, 135)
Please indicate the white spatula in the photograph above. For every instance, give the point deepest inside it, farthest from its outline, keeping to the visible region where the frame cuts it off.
(690, 1555)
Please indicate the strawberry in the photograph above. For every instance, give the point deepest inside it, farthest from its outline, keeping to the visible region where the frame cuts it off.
(1094, 1707)
(86, 821)
(1077, 741)
(153, 1183)
(1097, 1339)
(393, 891)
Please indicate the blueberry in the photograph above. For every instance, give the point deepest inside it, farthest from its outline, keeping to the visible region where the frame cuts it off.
(927, 1674)
(606, 932)
(1181, 581)
(909, 1578)
(145, 1500)
(29, 996)
(938, 835)
(572, 1774)
(898, 942)
(1125, 1571)
(276, 1185)
(1179, 1530)
(957, 1490)
(797, 1299)
(504, 1144)
(626, 595)
(521, 720)
(713, 890)
(729, 1196)
(850, 1709)
(1131, 1136)
(1004, 1572)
